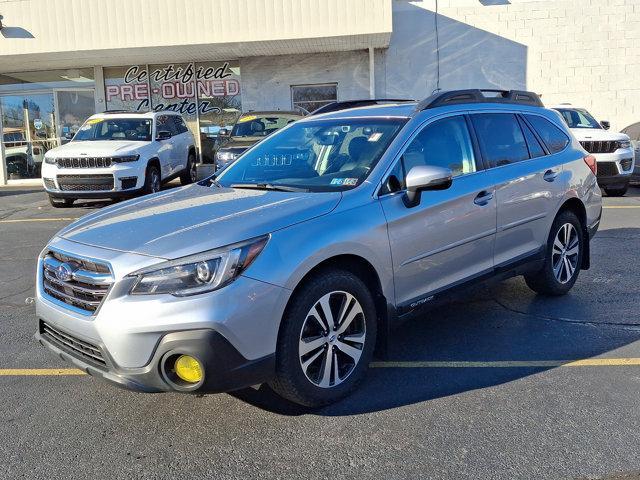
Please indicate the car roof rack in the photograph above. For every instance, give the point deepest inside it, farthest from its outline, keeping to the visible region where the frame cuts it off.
(344, 104)
(457, 97)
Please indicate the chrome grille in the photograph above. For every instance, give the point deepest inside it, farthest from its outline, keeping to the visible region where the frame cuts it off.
(68, 342)
(70, 183)
(84, 287)
(85, 162)
(597, 146)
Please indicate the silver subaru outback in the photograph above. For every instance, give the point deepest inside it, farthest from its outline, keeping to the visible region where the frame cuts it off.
(293, 264)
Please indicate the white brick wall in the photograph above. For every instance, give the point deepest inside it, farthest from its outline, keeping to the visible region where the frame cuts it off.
(586, 52)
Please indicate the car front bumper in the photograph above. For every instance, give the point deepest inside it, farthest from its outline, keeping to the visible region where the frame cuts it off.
(611, 168)
(125, 179)
(232, 331)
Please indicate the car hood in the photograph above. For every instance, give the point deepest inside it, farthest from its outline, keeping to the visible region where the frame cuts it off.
(96, 148)
(597, 134)
(192, 219)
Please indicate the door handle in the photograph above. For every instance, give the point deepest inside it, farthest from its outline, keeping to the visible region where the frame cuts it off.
(483, 198)
(550, 175)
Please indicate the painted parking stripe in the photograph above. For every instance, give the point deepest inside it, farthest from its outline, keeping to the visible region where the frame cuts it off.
(26, 220)
(588, 362)
(25, 372)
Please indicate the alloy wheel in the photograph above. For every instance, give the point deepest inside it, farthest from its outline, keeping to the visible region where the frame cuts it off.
(155, 181)
(564, 256)
(332, 339)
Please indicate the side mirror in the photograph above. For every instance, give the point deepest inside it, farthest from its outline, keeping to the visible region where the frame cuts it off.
(605, 124)
(163, 135)
(223, 132)
(426, 177)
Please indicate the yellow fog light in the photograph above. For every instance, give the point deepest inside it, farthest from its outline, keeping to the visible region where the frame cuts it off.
(188, 369)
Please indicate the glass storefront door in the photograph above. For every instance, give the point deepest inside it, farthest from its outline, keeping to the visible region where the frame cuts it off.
(34, 123)
(28, 132)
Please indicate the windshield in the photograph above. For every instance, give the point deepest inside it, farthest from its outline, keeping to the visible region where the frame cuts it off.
(325, 155)
(133, 129)
(578, 118)
(260, 126)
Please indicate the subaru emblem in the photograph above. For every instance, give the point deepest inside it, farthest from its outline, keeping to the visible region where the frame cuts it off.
(64, 272)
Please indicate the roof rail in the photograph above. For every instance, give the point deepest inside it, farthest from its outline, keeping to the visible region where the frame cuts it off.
(343, 105)
(456, 97)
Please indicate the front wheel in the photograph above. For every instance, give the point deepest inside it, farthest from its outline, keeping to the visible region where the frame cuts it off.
(326, 340)
(564, 251)
(190, 173)
(152, 181)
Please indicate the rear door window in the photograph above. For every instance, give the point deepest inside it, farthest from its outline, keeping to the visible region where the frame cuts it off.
(500, 137)
(555, 139)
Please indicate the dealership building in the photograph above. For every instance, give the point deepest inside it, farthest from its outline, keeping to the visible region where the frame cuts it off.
(63, 60)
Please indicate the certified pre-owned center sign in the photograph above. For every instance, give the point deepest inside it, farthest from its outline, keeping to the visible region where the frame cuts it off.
(190, 89)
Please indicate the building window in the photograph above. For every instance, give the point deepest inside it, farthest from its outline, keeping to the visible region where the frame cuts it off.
(312, 97)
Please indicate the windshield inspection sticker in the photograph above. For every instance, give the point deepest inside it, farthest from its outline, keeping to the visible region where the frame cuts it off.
(337, 181)
(374, 137)
(350, 181)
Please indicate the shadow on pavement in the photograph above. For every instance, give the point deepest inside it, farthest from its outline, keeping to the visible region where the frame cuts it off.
(497, 321)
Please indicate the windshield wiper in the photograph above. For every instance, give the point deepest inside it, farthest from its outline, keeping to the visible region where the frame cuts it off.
(269, 186)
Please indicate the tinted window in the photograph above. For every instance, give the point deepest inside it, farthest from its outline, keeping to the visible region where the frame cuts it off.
(552, 136)
(444, 143)
(535, 149)
(180, 125)
(500, 138)
(578, 118)
(166, 123)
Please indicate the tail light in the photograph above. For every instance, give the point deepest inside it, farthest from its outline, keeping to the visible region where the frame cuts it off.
(590, 160)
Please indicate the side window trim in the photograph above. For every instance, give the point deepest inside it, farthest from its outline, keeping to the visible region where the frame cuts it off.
(480, 166)
(481, 162)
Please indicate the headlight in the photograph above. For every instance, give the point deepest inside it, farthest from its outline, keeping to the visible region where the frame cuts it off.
(50, 161)
(127, 158)
(199, 273)
(624, 143)
(225, 156)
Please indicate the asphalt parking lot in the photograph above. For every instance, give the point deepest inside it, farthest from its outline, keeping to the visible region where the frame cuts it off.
(480, 388)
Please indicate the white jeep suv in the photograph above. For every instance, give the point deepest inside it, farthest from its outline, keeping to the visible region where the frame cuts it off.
(613, 151)
(120, 154)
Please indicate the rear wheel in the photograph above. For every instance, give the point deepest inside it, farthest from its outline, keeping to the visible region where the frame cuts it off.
(616, 192)
(326, 340)
(61, 202)
(563, 258)
(152, 182)
(190, 174)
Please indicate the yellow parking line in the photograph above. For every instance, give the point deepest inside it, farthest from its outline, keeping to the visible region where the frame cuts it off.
(588, 362)
(21, 372)
(24, 220)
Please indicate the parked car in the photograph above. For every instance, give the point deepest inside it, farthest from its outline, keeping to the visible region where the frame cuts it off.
(633, 131)
(120, 154)
(613, 151)
(294, 262)
(250, 128)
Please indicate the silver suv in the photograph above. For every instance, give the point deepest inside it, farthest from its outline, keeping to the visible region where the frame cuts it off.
(294, 263)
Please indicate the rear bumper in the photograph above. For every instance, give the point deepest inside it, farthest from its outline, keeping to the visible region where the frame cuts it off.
(225, 369)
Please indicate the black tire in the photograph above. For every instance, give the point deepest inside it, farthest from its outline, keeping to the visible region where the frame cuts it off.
(545, 281)
(616, 192)
(61, 202)
(190, 174)
(291, 381)
(152, 180)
